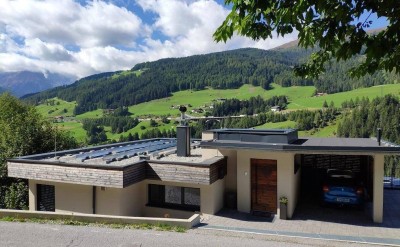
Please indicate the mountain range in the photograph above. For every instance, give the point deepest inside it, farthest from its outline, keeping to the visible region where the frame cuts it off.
(27, 82)
(222, 70)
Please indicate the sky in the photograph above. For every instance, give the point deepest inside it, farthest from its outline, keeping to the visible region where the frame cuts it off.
(81, 38)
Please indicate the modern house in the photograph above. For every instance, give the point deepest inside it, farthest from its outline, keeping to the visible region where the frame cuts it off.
(147, 178)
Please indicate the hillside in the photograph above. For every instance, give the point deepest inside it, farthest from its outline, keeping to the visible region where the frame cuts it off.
(223, 70)
(159, 79)
(27, 82)
(300, 98)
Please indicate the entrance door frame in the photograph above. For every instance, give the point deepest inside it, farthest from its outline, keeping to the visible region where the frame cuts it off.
(269, 164)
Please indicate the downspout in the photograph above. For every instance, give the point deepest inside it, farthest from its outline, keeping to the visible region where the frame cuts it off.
(94, 200)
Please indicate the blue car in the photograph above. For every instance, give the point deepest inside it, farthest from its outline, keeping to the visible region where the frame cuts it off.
(341, 188)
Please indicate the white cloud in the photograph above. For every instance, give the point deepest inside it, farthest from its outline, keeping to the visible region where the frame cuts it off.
(67, 22)
(190, 26)
(63, 36)
(7, 44)
(46, 51)
(107, 58)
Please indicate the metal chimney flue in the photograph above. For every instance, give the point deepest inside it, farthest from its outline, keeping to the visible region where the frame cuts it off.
(379, 135)
(183, 135)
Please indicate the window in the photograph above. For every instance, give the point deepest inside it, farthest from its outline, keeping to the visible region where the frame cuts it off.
(174, 197)
(45, 198)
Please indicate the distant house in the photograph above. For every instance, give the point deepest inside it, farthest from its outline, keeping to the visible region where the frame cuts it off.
(320, 94)
(276, 108)
(108, 111)
(197, 110)
(58, 119)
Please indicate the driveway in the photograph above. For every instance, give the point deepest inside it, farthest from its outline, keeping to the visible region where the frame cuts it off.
(312, 221)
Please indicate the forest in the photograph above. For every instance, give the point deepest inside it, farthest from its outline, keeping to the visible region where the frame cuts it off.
(363, 118)
(235, 107)
(222, 70)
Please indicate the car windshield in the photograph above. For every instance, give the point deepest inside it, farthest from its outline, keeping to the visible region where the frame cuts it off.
(340, 174)
(341, 178)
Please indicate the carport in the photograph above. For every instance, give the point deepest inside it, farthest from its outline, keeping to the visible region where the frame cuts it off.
(265, 165)
(314, 168)
(364, 157)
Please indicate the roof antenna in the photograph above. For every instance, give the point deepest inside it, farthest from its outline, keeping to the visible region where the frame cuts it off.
(379, 135)
(55, 143)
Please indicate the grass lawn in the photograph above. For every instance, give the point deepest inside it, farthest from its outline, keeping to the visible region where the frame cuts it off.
(328, 131)
(198, 98)
(299, 98)
(56, 109)
(161, 126)
(279, 125)
(75, 128)
(91, 114)
(338, 98)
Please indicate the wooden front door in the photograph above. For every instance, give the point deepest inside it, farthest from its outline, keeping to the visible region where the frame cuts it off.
(263, 185)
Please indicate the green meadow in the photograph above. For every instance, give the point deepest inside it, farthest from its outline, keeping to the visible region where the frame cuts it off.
(299, 98)
(75, 129)
(200, 98)
(339, 98)
(59, 107)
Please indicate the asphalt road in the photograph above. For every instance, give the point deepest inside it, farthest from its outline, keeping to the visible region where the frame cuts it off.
(41, 235)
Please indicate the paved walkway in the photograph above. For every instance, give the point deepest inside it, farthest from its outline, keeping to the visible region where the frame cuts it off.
(311, 221)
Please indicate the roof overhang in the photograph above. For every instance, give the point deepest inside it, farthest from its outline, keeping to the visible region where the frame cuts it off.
(215, 144)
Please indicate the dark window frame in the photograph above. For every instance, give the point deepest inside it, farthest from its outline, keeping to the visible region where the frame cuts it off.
(50, 189)
(161, 200)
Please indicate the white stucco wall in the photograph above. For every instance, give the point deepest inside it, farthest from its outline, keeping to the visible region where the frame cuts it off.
(286, 179)
(377, 203)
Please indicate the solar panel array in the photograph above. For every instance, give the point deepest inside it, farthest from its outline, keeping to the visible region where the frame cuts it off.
(124, 152)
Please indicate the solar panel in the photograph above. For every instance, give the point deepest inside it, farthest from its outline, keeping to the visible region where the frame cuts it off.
(139, 149)
(82, 157)
(134, 146)
(99, 153)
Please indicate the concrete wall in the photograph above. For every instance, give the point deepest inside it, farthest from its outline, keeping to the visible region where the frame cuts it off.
(377, 203)
(286, 178)
(206, 152)
(108, 201)
(124, 202)
(231, 176)
(32, 195)
(132, 199)
(74, 198)
(68, 197)
(207, 136)
(79, 199)
(211, 199)
(189, 222)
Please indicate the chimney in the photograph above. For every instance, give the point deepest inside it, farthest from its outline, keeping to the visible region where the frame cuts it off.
(183, 135)
(379, 135)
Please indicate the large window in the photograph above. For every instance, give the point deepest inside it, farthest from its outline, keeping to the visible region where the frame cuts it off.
(174, 197)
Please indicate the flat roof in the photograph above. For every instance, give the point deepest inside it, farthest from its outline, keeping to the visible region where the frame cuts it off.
(120, 154)
(303, 144)
(340, 142)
